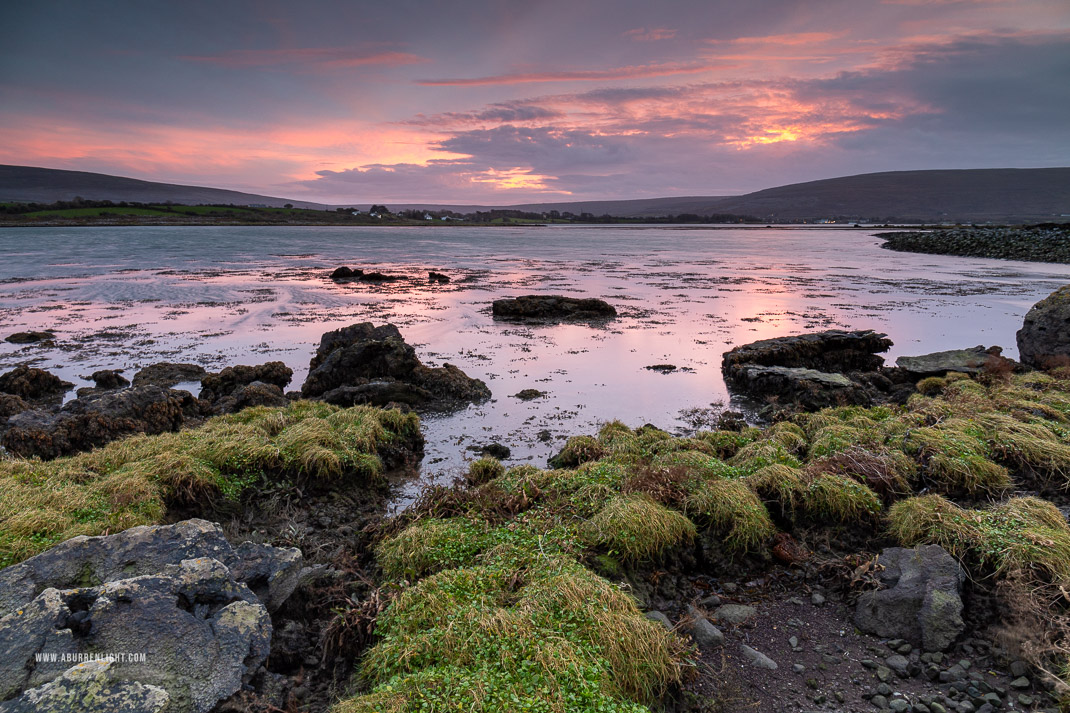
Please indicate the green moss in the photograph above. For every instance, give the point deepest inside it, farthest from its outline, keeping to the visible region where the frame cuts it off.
(578, 450)
(636, 528)
(735, 511)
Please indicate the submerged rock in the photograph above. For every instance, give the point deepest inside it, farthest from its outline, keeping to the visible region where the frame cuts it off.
(99, 418)
(433, 276)
(33, 384)
(29, 337)
(167, 374)
(552, 308)
(966, 361)
(378, 277)
(345, 273)
(363, 363)
(1044, 339)
(921, 602)
(529, 394)
(196, 608)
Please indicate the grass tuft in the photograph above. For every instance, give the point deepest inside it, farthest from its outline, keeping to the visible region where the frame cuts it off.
(637, 528)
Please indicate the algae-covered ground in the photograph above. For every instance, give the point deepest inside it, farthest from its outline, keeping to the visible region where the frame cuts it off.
(512, 589)
(521, 588)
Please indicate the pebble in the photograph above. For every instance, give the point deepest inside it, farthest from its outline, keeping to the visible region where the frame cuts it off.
(1019, 668)
(710, 602)
(899, 705)
(817, 599)
(879, 701)
(734, 613)
(884, 673)
(798, 668)
(757, 658)
(794, 641)
(706, 634)
(660, 618)
(1020, 682)
(898, 664)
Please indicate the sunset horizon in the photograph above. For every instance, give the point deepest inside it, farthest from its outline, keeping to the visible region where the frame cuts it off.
(482, 104)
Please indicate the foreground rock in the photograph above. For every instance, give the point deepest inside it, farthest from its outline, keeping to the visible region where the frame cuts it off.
(921, 601)
(191, 609)
(813, 371)
(552, 308)
(95, 419)
(365, 364)
(89, 687)
(965, 361)
(33, 384)
(1044, 339)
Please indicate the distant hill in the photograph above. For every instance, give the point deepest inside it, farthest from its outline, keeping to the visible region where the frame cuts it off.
(969, 195)
(27, 184)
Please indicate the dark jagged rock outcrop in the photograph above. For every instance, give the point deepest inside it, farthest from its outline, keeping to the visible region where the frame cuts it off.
(921, 601)
(966, 361)
(167, 374)
(11, 405)
(344, 273)
(552, 308)
(1044, 339)
(109, 379)
(33, 384)
(433, 276)
(96, 419)
(194, 605)
(814, 371)
(363, 363)
(238, 387)
(29, 337)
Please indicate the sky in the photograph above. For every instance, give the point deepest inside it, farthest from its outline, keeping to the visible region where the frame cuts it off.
(518, 101)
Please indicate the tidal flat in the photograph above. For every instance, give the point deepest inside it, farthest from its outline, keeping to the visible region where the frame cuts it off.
(127, 297)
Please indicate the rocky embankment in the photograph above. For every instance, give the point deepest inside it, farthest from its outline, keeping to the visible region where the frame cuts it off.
(1047, 242)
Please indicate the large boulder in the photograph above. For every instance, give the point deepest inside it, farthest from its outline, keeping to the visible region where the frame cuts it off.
(271, 572)
(552, 308)
(363, 363)
(98, 418)
(29, 337)
(808, 389)
(965, 361)
(185, 614)
(190, 629)
(1044, 339)
(33, 384)
(90, 687)
(920, 602)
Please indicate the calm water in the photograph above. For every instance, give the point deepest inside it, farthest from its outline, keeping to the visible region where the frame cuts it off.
(128, 297)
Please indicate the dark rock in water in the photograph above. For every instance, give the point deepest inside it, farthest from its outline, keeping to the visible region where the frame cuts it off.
(363, 363)
(167, 374)
(1046, 242)
(494, 450)
(966, 361)
(109, 379)
(11, 405)
(257, 393)
(222, 387)
(433, 276)
(835, 351)
(450, 384)
(378, 277)
(360, 351)
(1044, 339)
(344, 273)
(552, 308)
(195, 606)
(32, 384)
(731, 421)
(378, 393)
(529, 394)
(661, 368)
(921, 602)
(29, 337)
(811, 371)
(88, 422)
(809, 389)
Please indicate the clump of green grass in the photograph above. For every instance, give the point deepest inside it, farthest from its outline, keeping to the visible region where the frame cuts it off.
(931, 386)
(789, 435)
(734, 509)
(522, 629)
(484, 470)
(577, 451)
(726, 444)
(133, 481)
(956, 454)
(430, 546)
(1020, 534)
(759, 454)
(636, 528)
